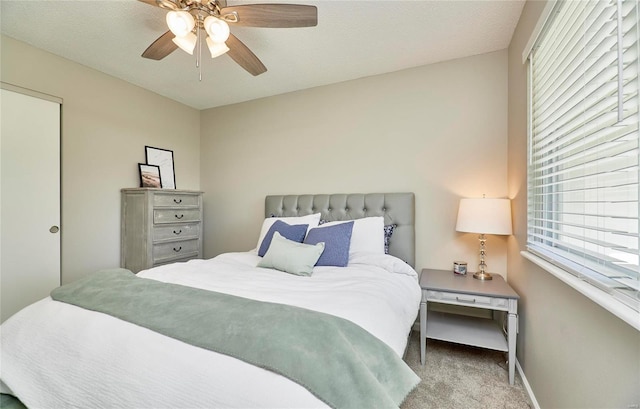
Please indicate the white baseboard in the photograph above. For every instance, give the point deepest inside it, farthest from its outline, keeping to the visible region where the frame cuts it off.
(527, 387)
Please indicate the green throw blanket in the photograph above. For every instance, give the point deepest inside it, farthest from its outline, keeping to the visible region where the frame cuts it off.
(337, 361)
(10, 402)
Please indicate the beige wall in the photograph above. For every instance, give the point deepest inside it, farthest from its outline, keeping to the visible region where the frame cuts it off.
(106, 123)
(439, 131)
(574, 353)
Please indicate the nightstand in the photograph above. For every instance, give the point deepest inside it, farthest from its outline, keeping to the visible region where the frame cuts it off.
(445, 287)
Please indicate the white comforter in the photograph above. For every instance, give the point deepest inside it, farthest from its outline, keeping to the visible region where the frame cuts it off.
(56, 355)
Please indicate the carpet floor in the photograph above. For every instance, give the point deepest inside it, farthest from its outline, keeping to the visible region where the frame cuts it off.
(459, 376)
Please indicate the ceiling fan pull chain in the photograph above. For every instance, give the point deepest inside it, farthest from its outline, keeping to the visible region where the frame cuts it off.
(199, 54)
(197, 47)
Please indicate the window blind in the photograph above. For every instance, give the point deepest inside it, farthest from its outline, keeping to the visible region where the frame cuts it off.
(583, 169)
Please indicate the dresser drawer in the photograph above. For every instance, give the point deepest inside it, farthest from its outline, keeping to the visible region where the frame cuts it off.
(161, 216)
(180, 231)
(163, 252)
(175, 260)
(175, 199)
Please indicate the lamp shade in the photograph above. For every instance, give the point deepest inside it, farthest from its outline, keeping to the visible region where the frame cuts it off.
(217, 29)
(216, 49)
(180, 23)
(484, 216)
(186, 43)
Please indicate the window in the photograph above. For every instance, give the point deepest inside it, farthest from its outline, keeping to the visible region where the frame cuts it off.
(583, 169)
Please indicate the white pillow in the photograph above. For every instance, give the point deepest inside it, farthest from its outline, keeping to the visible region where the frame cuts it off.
(312, 220)
(367, 234)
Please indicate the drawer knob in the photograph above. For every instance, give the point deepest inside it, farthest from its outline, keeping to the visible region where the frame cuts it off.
(177, 250)
(465, 300)
(177, 232)
(179, 216)
(177, 201)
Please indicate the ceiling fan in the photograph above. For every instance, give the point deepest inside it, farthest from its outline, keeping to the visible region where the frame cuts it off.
(190, 20)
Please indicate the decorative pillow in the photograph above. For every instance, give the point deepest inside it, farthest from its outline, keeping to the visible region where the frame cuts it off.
(367, 234)
(291, 257)
(337, 240)
(312, 220)
(388, 231)
(294, 233)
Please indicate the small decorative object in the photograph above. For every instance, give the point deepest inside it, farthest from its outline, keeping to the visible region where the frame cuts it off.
(149, 175)
(162, 158)
(460, 267)
(484, 216)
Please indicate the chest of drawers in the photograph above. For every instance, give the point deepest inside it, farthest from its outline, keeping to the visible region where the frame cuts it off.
(159, 226)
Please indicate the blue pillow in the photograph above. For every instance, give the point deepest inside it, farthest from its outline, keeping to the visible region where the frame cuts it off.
(337, 240)
(294, 233)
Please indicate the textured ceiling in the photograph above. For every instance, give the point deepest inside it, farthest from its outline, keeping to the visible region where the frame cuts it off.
(353, 39)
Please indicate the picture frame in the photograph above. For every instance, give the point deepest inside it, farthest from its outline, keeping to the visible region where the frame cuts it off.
(163, 158)
(150, 175)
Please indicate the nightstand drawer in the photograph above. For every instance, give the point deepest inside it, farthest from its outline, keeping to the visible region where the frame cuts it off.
(180, 231)
(467, 299)
(502, 303)
(175, 199)
(174, 250)
(175, 215)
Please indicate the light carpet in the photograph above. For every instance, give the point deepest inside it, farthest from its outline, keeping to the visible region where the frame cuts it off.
(459, 376)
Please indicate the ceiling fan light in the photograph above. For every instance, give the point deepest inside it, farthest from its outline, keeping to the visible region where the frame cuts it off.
(186, 43)
(180, 22)
(217, 29)
(216, 49)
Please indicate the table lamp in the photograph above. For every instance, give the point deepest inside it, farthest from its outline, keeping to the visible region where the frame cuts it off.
(484, 216)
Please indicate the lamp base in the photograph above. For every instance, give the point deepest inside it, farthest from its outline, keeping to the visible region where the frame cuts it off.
(482, 276)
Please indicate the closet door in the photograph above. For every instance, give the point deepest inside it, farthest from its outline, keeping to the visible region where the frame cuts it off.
(29, 199)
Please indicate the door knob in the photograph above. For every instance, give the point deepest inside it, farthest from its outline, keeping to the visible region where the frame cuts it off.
(54, 229)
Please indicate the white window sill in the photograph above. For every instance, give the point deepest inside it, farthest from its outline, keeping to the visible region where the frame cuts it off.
(620, 310)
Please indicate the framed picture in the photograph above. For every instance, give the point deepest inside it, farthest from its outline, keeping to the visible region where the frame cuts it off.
(150, 175)
(162, 158)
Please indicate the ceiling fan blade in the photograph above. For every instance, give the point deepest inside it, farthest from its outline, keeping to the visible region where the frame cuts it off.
(160, 48)
(273, 15)
(241, 54)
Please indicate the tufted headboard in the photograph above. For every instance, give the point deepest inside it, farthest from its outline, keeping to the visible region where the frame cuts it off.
(397, 208)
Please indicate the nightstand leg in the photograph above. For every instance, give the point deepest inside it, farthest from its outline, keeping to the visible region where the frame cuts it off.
(513, 330)
(423, 331)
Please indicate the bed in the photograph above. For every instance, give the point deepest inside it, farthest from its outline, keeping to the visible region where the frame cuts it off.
(292, 323)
